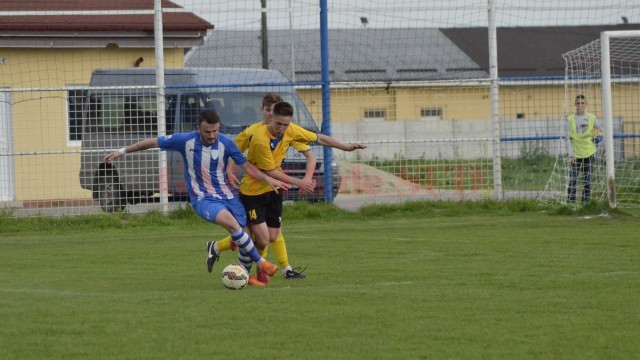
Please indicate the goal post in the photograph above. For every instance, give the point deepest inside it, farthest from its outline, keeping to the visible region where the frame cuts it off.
(607, 111)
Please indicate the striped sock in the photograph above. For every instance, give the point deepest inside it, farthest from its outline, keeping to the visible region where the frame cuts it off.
(245, 245)
(245, 259)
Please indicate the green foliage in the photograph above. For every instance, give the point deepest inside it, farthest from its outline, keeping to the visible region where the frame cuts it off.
(477, 280)
(530, 172)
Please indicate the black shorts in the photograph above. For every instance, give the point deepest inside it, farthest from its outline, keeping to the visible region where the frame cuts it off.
(264, 207)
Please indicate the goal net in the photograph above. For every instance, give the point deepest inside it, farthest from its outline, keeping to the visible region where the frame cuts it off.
(615, 169)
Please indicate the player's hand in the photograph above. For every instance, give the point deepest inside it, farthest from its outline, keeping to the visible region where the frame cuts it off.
(233, 179)
(109, 158)
(306, 185)
(275, 184)
(353, 147)
(303, 191)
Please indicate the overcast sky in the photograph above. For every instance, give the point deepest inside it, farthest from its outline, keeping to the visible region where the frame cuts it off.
(245, 14)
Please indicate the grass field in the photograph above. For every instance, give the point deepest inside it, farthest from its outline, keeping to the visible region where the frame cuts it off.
(419, 281)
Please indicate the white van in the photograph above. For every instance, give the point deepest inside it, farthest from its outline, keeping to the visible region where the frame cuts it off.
(121, 110)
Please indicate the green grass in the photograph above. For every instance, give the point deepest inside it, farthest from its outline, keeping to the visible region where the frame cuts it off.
(421, 280)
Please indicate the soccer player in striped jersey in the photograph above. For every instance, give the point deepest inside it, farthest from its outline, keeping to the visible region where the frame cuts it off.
(279, 245)
(206, 154)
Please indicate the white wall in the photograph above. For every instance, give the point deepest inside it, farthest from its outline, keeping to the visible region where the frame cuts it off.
(449, 139)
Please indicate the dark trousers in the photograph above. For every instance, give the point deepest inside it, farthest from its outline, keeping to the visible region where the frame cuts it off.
(583, 166)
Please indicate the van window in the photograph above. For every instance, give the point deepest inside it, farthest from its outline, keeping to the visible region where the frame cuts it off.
(122, 113)
(191, 105)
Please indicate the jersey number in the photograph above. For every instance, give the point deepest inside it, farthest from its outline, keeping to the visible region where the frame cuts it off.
(252, 214)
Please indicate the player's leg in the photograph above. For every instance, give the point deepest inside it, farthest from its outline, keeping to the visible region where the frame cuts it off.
(254, 207)
(272, 211)
(276, 240)
(238, 210)
(280, 250)
(230, 215)
(257, 208)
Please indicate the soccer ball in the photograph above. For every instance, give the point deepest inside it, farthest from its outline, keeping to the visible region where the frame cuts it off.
(234, 277)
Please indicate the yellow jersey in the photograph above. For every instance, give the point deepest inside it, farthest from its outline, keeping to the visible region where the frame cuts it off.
(267, 152)
(243, 139)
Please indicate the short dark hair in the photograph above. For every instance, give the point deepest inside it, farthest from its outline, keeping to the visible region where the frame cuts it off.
(581, 97)
(283, 108)
(270, 98)
(209, 116)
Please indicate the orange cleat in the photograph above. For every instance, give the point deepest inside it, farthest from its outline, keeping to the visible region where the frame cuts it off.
(262, 276)
(255, 282)
(268, 268)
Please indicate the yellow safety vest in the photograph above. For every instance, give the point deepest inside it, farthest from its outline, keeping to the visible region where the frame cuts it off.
(582, 144)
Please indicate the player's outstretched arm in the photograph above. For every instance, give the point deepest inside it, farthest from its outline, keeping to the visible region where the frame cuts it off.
(325, 140)
(139, 146)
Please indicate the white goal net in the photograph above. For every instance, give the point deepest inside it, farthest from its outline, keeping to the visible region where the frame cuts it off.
(615, 169)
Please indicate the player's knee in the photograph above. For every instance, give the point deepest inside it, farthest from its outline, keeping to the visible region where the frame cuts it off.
(227, 221)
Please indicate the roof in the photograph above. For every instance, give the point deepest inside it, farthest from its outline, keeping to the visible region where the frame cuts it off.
(38, 19)
(355, 54)
(402, 54)
(528, 51)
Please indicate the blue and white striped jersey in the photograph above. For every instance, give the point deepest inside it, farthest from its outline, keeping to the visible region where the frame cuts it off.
(204, 166)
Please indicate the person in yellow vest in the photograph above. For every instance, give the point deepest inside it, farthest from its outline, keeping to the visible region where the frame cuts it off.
(584, 134)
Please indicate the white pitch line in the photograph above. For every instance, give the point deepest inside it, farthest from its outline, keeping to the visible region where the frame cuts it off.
(396, 283)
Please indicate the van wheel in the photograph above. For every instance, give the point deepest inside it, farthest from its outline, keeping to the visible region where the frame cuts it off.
(109, 194)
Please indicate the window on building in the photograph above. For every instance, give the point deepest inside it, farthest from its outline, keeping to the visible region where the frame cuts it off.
(375, 114)
(75, 103)
(431, 113)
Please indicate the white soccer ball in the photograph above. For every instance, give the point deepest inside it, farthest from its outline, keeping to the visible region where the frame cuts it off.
(234, 277)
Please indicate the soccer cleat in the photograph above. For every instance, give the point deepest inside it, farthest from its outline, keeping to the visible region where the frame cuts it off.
(294, 274)
(212, 257)
(268, 268)
(262, 277)
(255, 282)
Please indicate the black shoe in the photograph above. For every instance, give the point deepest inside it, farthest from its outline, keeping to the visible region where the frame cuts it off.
(294, 274)
(212, 257)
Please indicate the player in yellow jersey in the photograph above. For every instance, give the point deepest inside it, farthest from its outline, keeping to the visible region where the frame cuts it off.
(279, 246)
(267, 149)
